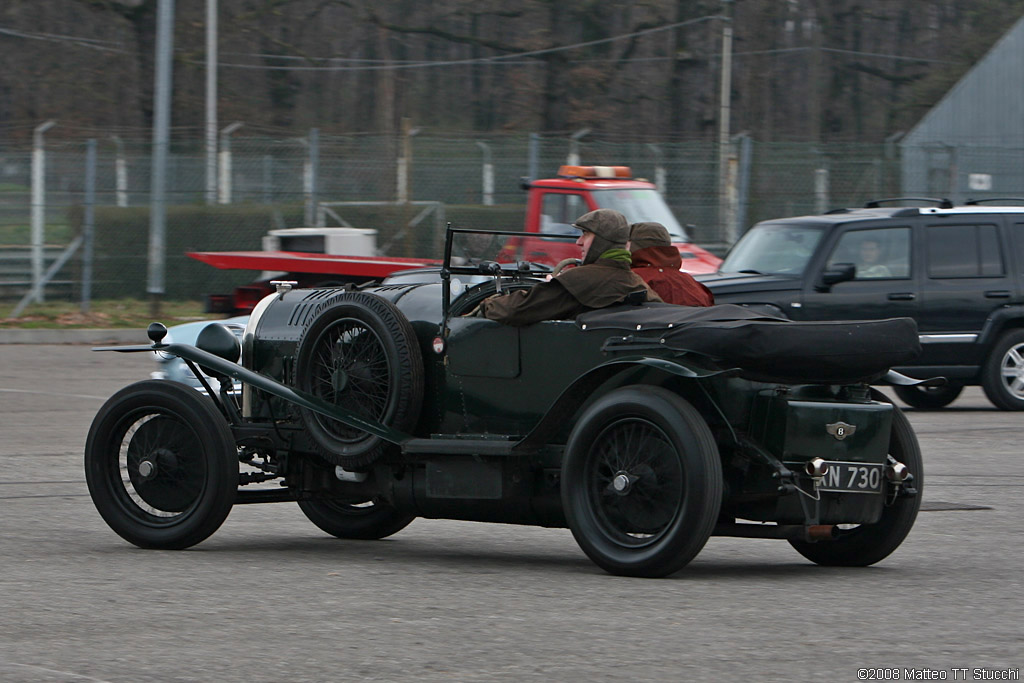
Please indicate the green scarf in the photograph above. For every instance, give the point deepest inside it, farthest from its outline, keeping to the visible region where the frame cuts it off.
(617, 255)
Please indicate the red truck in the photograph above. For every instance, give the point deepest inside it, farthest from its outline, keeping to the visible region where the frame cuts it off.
(552, 205)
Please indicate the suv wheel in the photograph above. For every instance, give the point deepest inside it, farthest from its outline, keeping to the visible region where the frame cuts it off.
(1003, 375)
(929, 398)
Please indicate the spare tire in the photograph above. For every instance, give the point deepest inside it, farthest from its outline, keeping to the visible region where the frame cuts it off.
(360, 353)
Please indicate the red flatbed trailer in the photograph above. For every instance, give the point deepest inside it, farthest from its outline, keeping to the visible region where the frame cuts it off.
(307, 269)
(371, 267)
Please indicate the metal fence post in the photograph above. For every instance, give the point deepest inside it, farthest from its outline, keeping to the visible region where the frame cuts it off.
(743, 188)
(574, 146)
(268, 179)
(88, 223)
(161, 135)
(404, 182)
(310, 178)
(488, 174)
(225, 162)
(38, 206)
(533, 156)
(659, 167)
(820, 190)
(211, 102)
(120, 173)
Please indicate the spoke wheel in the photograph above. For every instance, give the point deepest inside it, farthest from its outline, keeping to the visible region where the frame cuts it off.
(865, 544)
(641, 482)
(929, 398)
(161, 465)
(368, 520)
(360, 354)
(1002, 377)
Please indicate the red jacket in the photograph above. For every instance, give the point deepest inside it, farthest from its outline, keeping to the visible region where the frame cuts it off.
(659, 267)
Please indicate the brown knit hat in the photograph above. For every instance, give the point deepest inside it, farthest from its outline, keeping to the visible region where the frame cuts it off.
(643, 235)
(610, 228)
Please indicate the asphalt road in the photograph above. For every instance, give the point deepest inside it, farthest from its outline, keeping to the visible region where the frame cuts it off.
(271, 598)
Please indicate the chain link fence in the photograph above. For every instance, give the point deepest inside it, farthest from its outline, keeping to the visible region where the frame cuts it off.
(276, 185)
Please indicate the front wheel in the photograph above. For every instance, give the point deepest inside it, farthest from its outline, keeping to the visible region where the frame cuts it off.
(866, 544)
(1002, 377)
(929, 398)
(161, 465)
(641, 482)
(369, 520)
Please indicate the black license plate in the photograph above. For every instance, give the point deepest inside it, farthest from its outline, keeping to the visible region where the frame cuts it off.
(852, 477)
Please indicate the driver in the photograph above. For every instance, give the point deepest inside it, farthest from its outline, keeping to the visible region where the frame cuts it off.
(603, 280)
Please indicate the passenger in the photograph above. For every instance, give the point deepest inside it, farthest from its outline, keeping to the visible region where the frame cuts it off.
(604, 278)
(870, 256)
(658, 263)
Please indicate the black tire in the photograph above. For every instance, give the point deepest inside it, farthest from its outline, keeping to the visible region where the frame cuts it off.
(658, 448)
(867, 544)
(361, 354)
(365, 521)
(929, 398)
(161, 465)
(1002, 378)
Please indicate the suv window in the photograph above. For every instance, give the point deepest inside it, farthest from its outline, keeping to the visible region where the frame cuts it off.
(957, 251)
(882, 253)
(774, 248)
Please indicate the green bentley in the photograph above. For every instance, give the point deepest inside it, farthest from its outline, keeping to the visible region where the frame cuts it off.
(645, 428)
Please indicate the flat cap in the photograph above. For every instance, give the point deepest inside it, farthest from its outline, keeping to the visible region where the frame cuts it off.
(606, 223)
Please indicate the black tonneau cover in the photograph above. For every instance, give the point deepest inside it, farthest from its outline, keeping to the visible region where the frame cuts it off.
(767, 347)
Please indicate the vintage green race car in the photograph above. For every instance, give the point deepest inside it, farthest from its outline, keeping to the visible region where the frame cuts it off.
(644, 428)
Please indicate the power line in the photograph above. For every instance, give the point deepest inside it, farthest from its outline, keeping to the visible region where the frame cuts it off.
(499, 59)
(93, 43)
(513, 59)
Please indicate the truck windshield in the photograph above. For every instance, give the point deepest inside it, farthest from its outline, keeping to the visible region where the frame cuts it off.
(773, 248)
(641, 205)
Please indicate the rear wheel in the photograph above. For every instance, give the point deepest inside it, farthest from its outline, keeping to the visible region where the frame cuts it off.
(161, 465)
(866, 544)
(929, 398)
(360, 354)
(1002, 378)
(368, 520)
(641, 482)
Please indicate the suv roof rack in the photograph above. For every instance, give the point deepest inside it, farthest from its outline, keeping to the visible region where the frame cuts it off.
(976, 202)
(941, 202)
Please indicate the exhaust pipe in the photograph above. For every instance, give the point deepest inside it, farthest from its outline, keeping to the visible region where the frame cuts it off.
(897, 472)
(793, 532)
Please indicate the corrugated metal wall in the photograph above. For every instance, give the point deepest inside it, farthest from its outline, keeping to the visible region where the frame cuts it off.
(971, 144)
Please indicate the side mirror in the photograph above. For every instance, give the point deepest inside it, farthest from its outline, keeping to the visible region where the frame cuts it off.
(838, 272)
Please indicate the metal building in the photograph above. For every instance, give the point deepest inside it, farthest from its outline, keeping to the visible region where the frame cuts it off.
(971, 144)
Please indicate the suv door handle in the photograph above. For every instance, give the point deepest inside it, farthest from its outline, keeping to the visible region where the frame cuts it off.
(997, 294)
(902, 296)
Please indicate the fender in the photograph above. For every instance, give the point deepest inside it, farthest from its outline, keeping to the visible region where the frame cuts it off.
(998, 321)
(576, 393)
(236, 371)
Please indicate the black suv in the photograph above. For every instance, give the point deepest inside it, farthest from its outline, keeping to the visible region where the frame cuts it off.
(958, 271)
